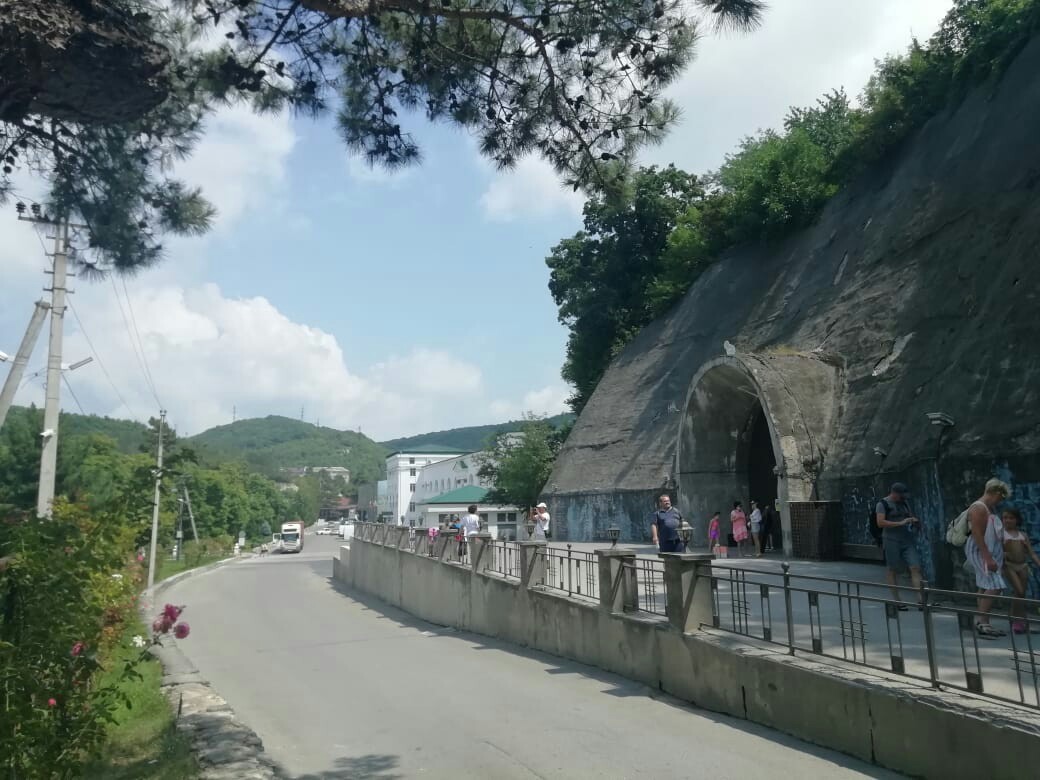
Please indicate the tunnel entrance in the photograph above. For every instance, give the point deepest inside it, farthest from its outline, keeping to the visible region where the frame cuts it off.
(744, 436)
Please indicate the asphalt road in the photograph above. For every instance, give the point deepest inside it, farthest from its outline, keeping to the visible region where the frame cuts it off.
(346, 687)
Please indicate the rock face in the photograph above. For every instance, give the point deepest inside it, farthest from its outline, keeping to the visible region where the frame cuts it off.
(804, 370)
(81, 61)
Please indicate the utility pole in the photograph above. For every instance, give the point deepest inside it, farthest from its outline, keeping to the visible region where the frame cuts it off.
(52, 404)
(155, 504)
(191, 515)
(22, 358)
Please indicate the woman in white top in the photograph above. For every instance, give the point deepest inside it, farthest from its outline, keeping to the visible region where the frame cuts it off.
(985, 552)
(756, 528)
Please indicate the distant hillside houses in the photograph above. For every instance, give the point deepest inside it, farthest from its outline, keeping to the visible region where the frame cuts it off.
(332, 471)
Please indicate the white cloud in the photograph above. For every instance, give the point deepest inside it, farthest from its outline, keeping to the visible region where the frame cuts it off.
(549, 400)
(208, 353)
(531, 190)
(738, 84)
(240, 160)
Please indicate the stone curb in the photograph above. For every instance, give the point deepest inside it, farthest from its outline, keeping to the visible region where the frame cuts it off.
(225, 748)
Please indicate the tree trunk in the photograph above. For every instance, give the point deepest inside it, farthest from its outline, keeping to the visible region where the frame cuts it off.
(79, 61)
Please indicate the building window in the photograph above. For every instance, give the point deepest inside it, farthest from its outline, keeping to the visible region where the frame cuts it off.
(411, 472)
(411, 460)
(483, 517)
(412, 487)
(512, 517)
(411, 507)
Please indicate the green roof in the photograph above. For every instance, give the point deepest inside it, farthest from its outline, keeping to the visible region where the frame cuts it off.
(430, 449)
(468, 494)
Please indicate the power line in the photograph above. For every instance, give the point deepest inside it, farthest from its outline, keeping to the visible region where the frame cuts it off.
(97, 357)
(72, 392)
(144, 356)
(133, 344)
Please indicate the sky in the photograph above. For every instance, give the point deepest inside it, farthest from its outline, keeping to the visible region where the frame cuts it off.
(402, 303)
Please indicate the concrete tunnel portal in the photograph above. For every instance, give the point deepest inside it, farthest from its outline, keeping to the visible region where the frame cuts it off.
(754, 427)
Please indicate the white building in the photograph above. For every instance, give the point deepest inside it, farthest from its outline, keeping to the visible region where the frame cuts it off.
(402, 473)
(447, 487)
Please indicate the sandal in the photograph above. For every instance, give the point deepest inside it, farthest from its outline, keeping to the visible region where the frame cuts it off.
(986, 631)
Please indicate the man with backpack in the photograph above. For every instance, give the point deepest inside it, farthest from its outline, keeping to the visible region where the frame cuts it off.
(897, 523)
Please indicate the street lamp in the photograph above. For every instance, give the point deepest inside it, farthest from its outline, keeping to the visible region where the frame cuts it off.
(613, 533)
(529, 525)
(685, 532)
(483, 525)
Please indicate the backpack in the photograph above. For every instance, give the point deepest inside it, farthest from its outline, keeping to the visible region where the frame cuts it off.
(957, 531)
(872, 526)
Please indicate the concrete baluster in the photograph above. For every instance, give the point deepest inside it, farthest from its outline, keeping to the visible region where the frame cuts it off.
(446, 545)
(532, 563)
(480, 552)
(402, 537)
(687, 585)
(612, 570)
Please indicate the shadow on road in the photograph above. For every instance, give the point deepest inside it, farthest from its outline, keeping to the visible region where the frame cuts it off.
(614, 685)
(371, 767)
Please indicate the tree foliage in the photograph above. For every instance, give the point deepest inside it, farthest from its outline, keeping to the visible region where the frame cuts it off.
(517, 465)
(576, 81)
(639, 252)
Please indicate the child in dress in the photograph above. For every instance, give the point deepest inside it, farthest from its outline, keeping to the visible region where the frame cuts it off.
(1017, 552)
(713, 532)
(738, 521)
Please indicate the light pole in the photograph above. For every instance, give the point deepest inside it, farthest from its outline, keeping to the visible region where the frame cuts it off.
(685, 533)
(613, 533)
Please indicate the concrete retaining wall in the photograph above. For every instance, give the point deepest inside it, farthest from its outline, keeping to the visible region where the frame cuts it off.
(884, 720)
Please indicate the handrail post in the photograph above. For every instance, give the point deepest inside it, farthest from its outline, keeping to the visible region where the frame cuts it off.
(532, 563)
(789, 614)
(618, 591)
(929, 634)
(480, 552)
(687, 590)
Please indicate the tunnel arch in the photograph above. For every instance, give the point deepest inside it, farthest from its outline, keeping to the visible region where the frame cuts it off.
(743, 412)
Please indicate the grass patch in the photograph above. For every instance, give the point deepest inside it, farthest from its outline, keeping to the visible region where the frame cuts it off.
(142, 744)
(167, 567)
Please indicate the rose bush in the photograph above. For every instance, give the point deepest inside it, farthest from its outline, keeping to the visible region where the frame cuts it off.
(66, 592)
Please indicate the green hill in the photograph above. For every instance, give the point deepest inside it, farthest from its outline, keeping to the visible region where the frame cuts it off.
(128, 435)
(467, 439)
(270, 443)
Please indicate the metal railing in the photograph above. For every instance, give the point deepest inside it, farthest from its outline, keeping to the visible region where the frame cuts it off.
(929, 634)
(576, 573)
(505, 558)
(650, 595)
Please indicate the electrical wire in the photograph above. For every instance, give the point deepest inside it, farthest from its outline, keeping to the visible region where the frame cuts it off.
(97, 357)
(133, 344)
(72, 392)
(144, 357)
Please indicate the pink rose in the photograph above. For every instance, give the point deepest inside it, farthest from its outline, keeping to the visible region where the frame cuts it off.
(52, 703)
(162, 625)
(181, 630)
(172, 612)
(77, 649)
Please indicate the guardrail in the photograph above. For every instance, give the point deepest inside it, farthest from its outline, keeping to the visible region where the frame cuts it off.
(932, 637)
(927, 635)
(576, 573)
(504, 558)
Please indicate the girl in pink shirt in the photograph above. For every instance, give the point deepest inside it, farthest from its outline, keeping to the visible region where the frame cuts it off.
(738, 520)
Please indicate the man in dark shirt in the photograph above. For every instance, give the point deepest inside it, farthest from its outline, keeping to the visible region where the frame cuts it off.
(897, 522)
(665, 525)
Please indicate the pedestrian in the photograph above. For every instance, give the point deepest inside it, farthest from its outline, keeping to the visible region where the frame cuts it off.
(755, 521)
(544, 518)
(897, 522)
(1017, 554)
(768, 519)
(538, 534)
(738, 526)
(469, 525)
(665, 525)
(714, 532)
(985, 552)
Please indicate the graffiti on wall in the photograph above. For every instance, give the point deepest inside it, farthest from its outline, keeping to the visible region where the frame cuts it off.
(1025, 496)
